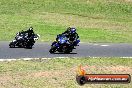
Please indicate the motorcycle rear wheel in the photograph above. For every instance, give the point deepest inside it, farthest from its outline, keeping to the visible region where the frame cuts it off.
(28, 46)
(66, 51)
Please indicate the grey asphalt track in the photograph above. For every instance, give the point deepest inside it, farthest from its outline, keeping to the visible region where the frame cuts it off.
(41, 50)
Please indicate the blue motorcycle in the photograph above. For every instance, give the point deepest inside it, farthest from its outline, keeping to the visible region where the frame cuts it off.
(63, 45)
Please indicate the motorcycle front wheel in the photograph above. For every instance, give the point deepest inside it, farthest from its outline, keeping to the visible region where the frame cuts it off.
(12, 45)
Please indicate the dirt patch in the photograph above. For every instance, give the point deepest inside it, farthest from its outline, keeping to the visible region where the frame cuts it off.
(108, 69)
(47, 74)
(120, 69)
(5, 78)
(57, 77)
(128, 0)
(5, 81)
(80, 21)
(89, 69)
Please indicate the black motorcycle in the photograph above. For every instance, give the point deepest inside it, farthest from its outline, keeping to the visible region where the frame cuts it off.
(22, 41)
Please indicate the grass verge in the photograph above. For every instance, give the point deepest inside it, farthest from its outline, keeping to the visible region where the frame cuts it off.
(60, 73)
(96, 20)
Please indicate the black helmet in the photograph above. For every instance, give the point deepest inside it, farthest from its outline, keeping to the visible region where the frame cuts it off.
(31, 28)
(69, 28)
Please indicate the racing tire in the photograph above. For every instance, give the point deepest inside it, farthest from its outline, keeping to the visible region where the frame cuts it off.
(28, 46)
(12, 45)
(66, 51)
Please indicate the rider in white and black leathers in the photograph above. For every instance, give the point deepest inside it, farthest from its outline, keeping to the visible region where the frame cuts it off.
(29, 32)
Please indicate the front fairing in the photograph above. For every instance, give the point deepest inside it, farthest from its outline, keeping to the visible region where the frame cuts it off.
(36, 37)
(62, 42)
(63, 39)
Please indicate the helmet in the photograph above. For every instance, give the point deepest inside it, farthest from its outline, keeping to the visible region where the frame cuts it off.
(31, 28)
(73, 30)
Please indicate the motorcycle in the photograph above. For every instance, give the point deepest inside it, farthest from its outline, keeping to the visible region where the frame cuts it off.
(22, 41)
(62, 45)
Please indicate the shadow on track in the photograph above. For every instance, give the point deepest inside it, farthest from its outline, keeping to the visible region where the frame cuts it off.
(21, 48)
(63, 53)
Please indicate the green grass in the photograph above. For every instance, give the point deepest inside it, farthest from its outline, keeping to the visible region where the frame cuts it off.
(96, 20)
(60, 73)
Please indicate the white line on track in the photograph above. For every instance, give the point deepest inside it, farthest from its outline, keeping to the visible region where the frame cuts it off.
(95, 44)
(23, 59)
(104, 45)
(61, 57)
(26, 59)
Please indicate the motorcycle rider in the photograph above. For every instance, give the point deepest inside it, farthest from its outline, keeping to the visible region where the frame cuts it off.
(67, 30)
(71, 34)
(26, 34)
(30, 32)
